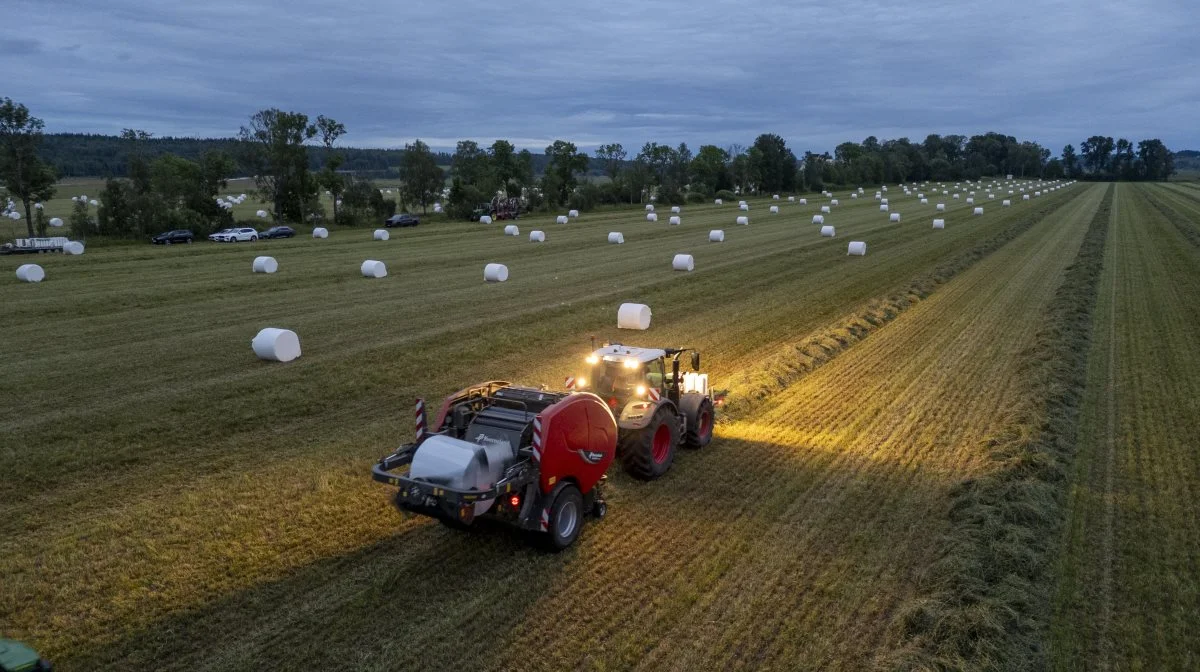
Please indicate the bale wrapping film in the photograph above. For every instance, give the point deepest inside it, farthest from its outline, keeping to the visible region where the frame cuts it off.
(633, 316)
(495, 273)
(486, 219)
(716, 236)
(373, 269)
(537, 236)
(818, 219)
(512, 230)
(56, 221)
(827, 231)
(616, 238)
(674, 221)
(683, 262)
(382, 234)
(320, 232)
(894, 217)
(276, 345)
(774, 209)
(264, 265)
(743, 221)
(978, 211)
(561, 219)
(73, 247)
(30, 273)
(857, 248)
(939, 223)
(572, 213)
(651, 217)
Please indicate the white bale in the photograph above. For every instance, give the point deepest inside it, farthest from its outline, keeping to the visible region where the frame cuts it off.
(512, 230)
(495, 273)
(744, 206)
(884, 201)
(38, 206)
(856, 248)
(791, 199)
(834, 202)
(675, 209)
(373, 269)
(14, 216)
(276, 345)
(683, 262)
(825, 209)
(674, 221)
(941, 207)
(741, 203)
(1006, 203)
(572, 213)
(537, 236)
(743, 221)
(924, 201)
(1037, 193)
(991, 197)
(56, 221)
(651, 217)
(261, 214)
(320, 232)
(804, 201)
(939, 223)
(93, 203)
(382, 234)
(774, 209)
(486, 219)
(264, 265)
(956, 196)
(633, 316)
(827, 231)
(894, 217)
(30, 273)
(818, 219)
(1025, 197)
(716, 236)
(775, 197)
(978, 211)
(561, 219)
(883, 208)
(649, 207)
(437, 208)
(885, 188)
(615, 237)
(854, 194)
(73, 247)
(970, 201)
(717, 201)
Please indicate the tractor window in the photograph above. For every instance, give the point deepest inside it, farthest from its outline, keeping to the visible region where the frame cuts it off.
(655, 375)
(610, 378)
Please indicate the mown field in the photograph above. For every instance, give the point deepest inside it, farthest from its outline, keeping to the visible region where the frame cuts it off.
(170, 502)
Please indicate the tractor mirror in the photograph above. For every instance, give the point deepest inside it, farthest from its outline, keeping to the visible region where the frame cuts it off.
(695, 361)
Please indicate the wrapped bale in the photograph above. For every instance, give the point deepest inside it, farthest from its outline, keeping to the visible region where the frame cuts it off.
(818, 219)
(320, 232)
(73, 247)
(924, 201)
(615, 238)
(264, 265)
(486, 219)
(561, 219)
(261, 214)
(573, 213)
(1006, 203)
(775, 197)
(744, 207)
(674, 221)
(978, 211)
(649, 207)
(939, 223)
(774, 209)
(883, 208)
(56, 222)
(30, 273)
(382, 234)
(675, 209)
(495, 273)
(827, 231)
(716, 236)
(651, 217)
(743, 221)
(512, 230)
(804, 201)
(941, 207)
(834, 202)
(683, 262)
(718, 202)
(633, 316)
(894, 217)
(857, 248)
(970, 201)
(791, 199)
(373, 269)
(537, 236)
(825, 209)
(276, 345)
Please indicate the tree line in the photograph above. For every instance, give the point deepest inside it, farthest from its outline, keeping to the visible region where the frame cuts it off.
(157, 183)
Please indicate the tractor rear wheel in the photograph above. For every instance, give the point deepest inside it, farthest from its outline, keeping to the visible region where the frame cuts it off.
(648, 454)
(699, 422)
(566, 518)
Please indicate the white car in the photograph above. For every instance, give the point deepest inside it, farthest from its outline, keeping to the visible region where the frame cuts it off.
(235, 235)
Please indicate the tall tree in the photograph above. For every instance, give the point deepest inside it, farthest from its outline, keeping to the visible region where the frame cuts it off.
(1097, 153)
(274, 149)
(1070, 161)
(1157, 161)
(21, 169)
(329, 177)
(505, 168)
(613, 155)
(470, 165)
(565, 163)
(774, 163)
(708, 171)
(422, 178)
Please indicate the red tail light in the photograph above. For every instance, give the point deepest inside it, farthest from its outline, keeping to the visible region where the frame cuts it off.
(515, 501)
(612, 402)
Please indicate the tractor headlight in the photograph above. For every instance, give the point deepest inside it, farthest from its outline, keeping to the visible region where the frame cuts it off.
(581, 382)
(631, 363)
(592, 359)
(641, 390)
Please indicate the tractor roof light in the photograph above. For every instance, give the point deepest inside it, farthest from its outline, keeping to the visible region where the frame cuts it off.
(641, 390)
(631, 363)
(593, 360)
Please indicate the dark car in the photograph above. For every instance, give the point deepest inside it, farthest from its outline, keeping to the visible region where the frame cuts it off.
(401, 220)
(278, 232)
(172, 237)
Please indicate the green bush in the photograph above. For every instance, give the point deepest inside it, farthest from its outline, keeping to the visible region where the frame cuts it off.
(726, 195)
(695, 197)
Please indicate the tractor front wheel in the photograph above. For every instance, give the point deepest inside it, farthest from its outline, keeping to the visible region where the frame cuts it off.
(648, 454)
(699, 414)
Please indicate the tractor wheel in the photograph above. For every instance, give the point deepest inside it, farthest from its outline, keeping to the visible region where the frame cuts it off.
(566, 518)
(648, 454)
(699, 422)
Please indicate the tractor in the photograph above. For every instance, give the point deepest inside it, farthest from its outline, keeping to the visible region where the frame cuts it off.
(536, 459)
(657, 409)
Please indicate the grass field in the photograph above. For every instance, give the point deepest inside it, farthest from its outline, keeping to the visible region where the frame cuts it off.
(170, 502)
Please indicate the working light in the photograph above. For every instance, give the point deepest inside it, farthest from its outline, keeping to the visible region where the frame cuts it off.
(581, 382)
(631, 363)
(641, 389)
(592, 359)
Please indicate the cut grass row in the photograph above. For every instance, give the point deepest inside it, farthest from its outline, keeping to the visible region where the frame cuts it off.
(163, 481)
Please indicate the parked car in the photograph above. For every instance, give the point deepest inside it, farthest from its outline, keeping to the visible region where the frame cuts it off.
(279, 232)
(401, 220)
(173, 237)
(235, 235)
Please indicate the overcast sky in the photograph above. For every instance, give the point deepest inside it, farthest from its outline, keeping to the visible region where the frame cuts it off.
(698, 71)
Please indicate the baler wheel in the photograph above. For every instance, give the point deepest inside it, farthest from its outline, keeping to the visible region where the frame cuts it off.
(566, 518)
